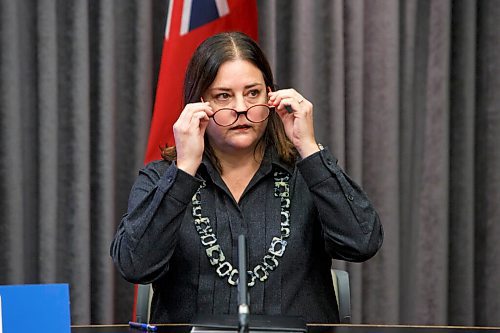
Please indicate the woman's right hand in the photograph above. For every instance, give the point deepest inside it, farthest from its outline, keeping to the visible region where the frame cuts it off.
(189, 131)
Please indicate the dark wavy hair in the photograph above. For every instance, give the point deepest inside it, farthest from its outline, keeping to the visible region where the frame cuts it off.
(201, 72)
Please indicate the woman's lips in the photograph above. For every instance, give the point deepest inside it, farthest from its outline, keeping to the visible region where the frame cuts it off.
(240, 127)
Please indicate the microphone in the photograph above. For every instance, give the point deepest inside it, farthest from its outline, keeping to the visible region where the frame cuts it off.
(204, 323)
(243, 297)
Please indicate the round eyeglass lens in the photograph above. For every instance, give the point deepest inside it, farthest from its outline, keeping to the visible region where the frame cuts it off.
(255, 114)
(258, 113)
(225, 117)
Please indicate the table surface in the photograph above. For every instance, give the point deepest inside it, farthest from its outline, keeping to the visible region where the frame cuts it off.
(312, 328)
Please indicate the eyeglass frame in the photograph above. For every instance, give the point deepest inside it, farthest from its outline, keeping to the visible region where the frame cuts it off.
(238, 113)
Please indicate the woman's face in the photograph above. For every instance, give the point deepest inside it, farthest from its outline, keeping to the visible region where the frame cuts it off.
(238, 85)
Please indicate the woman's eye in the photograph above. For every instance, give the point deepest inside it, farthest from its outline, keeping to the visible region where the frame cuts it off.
(253, 93)
(222, 96)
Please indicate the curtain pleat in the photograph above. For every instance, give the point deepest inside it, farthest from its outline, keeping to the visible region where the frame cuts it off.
(12, 145)
(380, 155)
(405, 95)
(332, 64)
(74, 155)
(487, 189)
(103, 127)
(353, 41)
(415, 29)
(432, 212)
(462, 180)
(48, 137)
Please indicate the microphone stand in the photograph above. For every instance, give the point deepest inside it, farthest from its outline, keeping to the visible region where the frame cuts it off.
(243, 297)
(260, 323)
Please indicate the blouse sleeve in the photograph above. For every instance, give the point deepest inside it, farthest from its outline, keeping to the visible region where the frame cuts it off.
(147, 234)
(351, 227)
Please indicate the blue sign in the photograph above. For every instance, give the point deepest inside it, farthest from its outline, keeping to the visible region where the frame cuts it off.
(35, 308)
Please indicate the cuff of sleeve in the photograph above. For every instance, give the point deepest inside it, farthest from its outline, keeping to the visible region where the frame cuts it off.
(317, 167)
(179, 184)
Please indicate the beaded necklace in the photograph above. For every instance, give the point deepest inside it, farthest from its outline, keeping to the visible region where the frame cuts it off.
(276, 250)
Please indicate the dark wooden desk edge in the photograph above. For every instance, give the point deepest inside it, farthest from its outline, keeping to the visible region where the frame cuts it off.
(324, 325)
(409, 326)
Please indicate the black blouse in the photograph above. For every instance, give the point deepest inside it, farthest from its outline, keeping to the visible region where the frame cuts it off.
(157, 242)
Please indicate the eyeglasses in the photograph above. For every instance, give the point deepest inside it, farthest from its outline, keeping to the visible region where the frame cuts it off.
(255, 114)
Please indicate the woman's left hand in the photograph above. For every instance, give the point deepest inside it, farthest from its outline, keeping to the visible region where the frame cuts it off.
(299, 126)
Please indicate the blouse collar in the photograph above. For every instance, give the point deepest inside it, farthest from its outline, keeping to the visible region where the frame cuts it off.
(270, 161)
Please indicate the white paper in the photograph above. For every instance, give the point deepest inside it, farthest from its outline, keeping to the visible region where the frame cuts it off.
(1, 327)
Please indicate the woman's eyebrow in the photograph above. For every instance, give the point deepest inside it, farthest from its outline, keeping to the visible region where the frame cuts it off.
(220, 89)
(251, 85)
(248, 86)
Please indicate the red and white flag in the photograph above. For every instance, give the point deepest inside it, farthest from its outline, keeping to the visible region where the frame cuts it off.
(189, 22)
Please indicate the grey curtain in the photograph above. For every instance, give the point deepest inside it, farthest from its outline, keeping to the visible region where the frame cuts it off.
(406, 95)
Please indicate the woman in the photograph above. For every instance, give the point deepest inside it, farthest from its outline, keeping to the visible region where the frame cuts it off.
(245, 161)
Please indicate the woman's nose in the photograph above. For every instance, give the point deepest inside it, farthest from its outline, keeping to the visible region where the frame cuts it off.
(240, 103)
